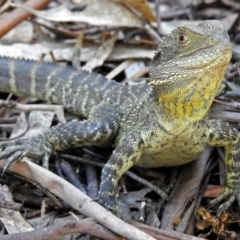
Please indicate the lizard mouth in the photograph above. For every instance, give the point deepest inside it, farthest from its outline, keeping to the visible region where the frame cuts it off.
(218, 59)
(196, 64)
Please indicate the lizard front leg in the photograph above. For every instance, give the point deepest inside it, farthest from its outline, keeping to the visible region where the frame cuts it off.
(124, 157)
(223, 134)
(98, 130)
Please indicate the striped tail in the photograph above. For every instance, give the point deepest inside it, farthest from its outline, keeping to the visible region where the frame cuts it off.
(78, 91)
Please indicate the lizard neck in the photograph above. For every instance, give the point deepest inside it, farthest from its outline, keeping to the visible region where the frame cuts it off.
(188, 100)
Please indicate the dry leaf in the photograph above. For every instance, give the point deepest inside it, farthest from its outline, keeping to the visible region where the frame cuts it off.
(101, 54)
(11, 219)
(143, 7)
(65, 51)
(101, 13)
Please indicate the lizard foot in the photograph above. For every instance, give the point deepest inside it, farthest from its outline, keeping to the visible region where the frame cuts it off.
(109, 202)
(231, 193)
(34, 147)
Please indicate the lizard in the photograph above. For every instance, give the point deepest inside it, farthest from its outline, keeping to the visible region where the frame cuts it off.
(164, 122)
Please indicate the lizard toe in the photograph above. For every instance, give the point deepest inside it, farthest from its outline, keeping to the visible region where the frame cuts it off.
(9, 143)
(224, 206)
(6, 153)
(14, 157)
(34, 148)
(231, 193)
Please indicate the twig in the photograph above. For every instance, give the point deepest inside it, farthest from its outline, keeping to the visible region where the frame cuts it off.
(164, 234)
(148, 184)
(57, 109)
(71, 176)
(59, 230)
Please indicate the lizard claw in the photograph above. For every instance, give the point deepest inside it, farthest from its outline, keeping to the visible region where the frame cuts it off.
(14, 157)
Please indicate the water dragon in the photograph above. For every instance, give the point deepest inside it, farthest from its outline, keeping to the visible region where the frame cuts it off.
(164, 122)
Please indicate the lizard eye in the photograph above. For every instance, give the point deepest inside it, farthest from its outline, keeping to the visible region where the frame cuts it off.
(182, 38)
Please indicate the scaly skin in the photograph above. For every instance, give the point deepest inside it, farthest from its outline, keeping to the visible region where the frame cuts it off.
(163, 123)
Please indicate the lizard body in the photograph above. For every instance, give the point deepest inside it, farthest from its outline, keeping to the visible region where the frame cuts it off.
(162, 123)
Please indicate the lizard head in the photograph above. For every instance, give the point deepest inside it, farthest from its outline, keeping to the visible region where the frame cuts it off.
(191, 49)
(190, 63)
